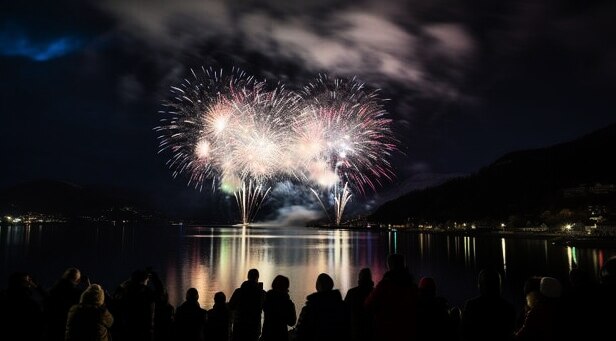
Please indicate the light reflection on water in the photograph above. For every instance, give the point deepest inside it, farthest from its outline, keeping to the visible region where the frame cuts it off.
(215, 259)
(219, 259)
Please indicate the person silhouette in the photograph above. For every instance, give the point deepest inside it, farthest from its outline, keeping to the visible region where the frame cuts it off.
(606, 300)
(488, 316)
(360, 321)
(279, 311)
(21, 316)
(393, 302)
(323, 317)
(246, 304)
(89, 319)
(65, 293)
(134, 306)
(164, 315)
(219, 319)
(190, 318)
(433, 319)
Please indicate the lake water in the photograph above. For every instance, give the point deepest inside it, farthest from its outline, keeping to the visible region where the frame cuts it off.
(215, 259)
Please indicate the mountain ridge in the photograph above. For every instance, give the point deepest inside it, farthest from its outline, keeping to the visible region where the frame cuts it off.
(72, 201)
(526, 183)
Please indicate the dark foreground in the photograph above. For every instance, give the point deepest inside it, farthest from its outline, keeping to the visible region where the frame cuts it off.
(395, 308)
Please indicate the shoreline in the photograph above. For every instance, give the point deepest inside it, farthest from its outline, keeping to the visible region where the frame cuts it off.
(556, 238)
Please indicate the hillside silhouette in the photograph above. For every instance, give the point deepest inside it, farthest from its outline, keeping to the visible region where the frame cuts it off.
(71, 201)
(522, 187)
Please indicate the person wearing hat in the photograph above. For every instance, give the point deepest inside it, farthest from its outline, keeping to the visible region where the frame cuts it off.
(90, 319)
(541, 318)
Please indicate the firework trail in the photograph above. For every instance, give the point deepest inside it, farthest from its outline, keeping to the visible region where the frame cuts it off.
(249, 198)
(341, 198)
(232, 130)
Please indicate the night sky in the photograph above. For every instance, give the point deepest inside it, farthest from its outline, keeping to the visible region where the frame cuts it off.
(81, 81)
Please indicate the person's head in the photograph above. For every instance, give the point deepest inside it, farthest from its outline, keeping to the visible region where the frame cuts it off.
(192, 295)
(73, 275)
(365, 277)
(427, 286)
(489, 282)
(550, 287)
(93, 295)
(253, 275)
(396, 262)
(220, 298)
(280, 283)
(608, 272)
(324, 283)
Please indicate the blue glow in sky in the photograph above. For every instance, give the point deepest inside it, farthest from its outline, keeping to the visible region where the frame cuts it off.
(22, 46)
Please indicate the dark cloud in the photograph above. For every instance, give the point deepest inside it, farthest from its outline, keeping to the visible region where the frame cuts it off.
(365, 40)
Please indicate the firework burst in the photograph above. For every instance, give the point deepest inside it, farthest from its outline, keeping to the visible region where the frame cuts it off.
(343, 139)
(232, 130)
(228, 129)
(194, 128)
(343, 134)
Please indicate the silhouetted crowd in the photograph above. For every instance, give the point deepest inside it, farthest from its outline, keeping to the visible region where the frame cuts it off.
(397, 308)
